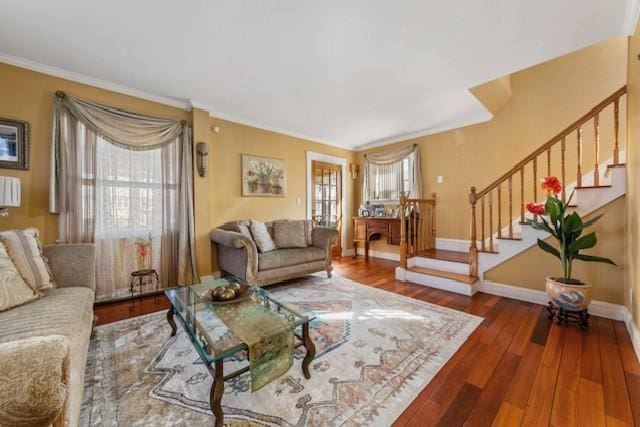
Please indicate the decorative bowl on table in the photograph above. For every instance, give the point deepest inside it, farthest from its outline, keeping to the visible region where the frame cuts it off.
(228, 294)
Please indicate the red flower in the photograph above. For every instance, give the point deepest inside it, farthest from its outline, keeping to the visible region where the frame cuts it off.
(535, 208)
(551, 184)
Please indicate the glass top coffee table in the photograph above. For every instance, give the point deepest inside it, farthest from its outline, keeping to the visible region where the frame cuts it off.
(214, 341)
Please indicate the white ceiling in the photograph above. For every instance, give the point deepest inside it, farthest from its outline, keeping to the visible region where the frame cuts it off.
(351, 73)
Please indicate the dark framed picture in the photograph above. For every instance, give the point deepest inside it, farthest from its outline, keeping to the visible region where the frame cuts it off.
(14, 144)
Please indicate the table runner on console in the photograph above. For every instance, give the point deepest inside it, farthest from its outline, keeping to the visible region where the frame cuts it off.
(269, 338)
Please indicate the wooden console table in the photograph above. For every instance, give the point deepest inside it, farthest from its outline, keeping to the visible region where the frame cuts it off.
(375, 228)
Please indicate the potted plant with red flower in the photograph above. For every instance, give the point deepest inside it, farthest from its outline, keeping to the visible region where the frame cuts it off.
(566, 292)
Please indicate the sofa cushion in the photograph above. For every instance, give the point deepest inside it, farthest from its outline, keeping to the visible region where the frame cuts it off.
(290, 233)
(25, 250)
(261, 236)
(287, 257)
(33, 380)
(14, 291)
(63, 311)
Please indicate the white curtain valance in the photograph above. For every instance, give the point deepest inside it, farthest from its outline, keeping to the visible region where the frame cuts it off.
(393, 161)
(128, 130)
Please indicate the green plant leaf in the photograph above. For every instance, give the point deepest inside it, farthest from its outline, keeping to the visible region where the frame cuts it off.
(585, 242)
(591, 221)
(591, 258)
(573, 223)
(553, 208)
(548, 248)
(543, 226)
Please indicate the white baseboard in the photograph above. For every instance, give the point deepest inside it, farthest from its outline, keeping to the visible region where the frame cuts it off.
(597, 308)
(393, 256)
(348, 252)
(634, 332)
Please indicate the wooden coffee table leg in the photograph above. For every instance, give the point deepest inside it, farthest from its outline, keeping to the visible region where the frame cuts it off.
(215, 396)
(172, 322)
(311, 351)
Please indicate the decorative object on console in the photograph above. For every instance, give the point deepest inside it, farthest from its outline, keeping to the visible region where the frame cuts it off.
(570, 297)
(202, 152)
(14, 144)
(9, 194)
(263, 176)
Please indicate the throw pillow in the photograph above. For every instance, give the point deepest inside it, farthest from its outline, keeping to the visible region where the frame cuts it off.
(13, 289)
(34, 378)
(261, 236)
(25, 250)
(290, 233)
(244, 230)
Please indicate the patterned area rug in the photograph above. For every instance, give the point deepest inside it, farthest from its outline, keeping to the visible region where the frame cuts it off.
(376, 351)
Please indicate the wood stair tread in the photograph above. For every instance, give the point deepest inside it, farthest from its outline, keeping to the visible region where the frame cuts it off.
(445, 255)
(587, 187)
(469, 280)
(515, 237)
(617, 165)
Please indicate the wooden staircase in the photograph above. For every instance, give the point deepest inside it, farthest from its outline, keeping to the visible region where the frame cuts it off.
(498, 228)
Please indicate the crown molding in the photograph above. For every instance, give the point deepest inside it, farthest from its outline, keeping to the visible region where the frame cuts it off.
(262, 126)
(465, 121)
(91, 81)
(631, 17)
(199, 105)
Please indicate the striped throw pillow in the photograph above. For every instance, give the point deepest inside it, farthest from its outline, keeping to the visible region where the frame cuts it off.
(13, 289)
(25, 251)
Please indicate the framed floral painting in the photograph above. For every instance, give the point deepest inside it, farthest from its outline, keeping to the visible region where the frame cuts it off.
(263, 176)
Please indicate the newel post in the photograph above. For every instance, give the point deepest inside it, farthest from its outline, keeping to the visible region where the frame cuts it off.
(473, 246)
(403, 230)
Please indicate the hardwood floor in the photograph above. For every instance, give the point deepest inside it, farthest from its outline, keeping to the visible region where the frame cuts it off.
(517, 368)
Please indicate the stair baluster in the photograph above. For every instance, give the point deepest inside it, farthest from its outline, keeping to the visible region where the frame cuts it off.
(577, 126)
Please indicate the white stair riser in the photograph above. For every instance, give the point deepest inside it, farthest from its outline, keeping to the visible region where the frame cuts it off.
(442, 265)
(435, 282)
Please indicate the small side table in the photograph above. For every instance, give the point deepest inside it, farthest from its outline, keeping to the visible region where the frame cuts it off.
(137, 279)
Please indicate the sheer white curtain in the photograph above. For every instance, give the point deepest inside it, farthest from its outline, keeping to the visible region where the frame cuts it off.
(120, 180)
(388, 174)
(128, 208)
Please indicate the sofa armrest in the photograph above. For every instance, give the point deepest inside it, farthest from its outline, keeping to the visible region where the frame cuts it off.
(323, 237)
(233, 244)
(72, 265)
(34, 378)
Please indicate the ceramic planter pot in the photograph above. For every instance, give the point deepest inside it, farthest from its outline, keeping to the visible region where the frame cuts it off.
(573, 297)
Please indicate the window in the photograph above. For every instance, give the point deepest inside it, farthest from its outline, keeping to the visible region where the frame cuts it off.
(386, 181)
(128, 192)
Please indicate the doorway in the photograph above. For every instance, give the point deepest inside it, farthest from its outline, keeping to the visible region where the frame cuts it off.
(326, 199)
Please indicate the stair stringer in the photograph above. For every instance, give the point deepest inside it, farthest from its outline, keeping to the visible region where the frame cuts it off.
(589, 200)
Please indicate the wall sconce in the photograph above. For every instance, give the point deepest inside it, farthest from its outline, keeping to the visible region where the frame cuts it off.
(9, 194)
(202, 151)
(354, 169)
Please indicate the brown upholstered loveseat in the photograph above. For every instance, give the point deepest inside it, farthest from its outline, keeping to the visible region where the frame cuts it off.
(238, 254)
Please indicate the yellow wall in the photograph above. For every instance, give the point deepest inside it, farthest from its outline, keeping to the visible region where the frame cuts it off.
(633, 178)
(27, 95)
(544, 100)
(529, 269)
(233, 139)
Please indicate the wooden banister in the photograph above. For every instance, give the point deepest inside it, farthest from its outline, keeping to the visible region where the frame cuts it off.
(545, 150)
(551, 142)
(417, 226)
